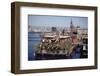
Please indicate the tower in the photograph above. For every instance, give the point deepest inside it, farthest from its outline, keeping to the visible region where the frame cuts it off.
(71, 27)
(71, 24)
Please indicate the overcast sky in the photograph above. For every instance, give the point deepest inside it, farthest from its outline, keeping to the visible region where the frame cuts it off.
(62, 21)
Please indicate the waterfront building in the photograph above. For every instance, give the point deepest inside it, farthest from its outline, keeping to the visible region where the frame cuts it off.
(64, 42)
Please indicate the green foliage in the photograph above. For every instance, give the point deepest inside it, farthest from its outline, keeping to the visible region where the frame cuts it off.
(54, 47)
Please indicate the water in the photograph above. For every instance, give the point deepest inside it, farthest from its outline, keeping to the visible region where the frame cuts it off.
(33, 40)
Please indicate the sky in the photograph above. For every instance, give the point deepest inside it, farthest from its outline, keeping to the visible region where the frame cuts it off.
(59, 21)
